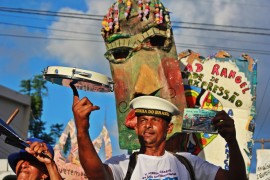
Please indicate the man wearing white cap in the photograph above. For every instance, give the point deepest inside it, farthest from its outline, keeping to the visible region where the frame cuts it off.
(152, 161)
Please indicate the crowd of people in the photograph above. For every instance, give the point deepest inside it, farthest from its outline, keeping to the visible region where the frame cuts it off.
(151, 161)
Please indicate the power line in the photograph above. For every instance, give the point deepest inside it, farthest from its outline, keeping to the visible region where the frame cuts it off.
(95, 34)
(81, 32)
(79, 15)
(100, 17)
(222, 48)
(22, 10)
(61, 30)
(48, 38)
(48, 20)
(222, 30)
(185, 27)
(177, 44)
(221, 39)
(219, 25)
(51, 13)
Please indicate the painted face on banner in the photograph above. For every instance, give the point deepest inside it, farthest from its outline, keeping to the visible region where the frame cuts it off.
(143, 60)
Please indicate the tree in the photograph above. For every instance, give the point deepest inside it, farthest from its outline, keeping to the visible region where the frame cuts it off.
(56, 130)
(67, 146)
(36, 88)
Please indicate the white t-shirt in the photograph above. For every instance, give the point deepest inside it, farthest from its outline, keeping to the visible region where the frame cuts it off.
(166, 167)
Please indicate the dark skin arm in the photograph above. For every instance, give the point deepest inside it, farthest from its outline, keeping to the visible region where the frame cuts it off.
(90, 161)
(226, 128)
(35, 149)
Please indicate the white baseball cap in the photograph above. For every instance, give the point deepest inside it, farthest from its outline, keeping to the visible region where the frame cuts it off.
(155, 106)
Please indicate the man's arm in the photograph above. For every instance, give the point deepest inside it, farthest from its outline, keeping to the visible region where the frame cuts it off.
(36, 149)
(237, 170)
(89, 159)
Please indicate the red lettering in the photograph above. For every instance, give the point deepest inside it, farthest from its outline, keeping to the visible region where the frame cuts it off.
(243, 84)
(238, 79)
(244, 90)
(232, 74)
(215, 69)
(199, 67)
(224, 72)
(189, 68)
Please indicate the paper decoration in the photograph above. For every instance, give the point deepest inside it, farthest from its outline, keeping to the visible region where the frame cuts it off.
(70, 167)
(263, 164)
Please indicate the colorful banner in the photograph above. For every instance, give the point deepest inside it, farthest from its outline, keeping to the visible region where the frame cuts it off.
(221, 82)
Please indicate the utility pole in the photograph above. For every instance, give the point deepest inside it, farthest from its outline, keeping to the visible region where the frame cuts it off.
(262, 141)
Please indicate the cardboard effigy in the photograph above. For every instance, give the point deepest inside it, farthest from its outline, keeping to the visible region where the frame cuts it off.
(143, 60)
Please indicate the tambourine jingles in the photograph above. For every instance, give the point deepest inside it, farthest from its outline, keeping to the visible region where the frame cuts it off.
(84, 79)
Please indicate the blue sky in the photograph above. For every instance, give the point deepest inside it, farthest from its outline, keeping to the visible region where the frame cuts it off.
(23, 55)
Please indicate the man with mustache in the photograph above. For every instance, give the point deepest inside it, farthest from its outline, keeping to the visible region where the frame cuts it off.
(152, 161)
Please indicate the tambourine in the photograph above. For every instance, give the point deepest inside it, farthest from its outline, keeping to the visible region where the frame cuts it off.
(82, 79)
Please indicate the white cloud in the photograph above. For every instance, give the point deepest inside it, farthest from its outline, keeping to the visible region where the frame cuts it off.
(99, 8)
(241, 13)
(17, 49)
(87, 53)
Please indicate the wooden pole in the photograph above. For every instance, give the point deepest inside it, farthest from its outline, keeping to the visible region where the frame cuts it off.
(12, 116)
(262, 141)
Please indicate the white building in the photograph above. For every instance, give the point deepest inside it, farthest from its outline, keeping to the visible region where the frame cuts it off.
(9, 101)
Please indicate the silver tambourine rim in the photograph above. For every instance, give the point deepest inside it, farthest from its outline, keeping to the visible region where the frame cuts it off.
(106, 87)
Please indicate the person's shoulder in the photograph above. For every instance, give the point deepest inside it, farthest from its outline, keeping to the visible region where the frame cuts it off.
(185, 154)
(196, 160)
(117, 159)
(192, 158)
(188, 155)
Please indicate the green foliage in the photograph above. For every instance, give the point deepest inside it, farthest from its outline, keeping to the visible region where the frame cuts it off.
(67, 146)
(36, 88)
(26, 85)
(36, 128)
(36, 106)
(56, 130)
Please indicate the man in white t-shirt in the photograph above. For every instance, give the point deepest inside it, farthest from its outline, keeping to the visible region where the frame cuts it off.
(152, 161)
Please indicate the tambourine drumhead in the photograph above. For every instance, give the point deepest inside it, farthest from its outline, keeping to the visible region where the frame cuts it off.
(85, 80)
